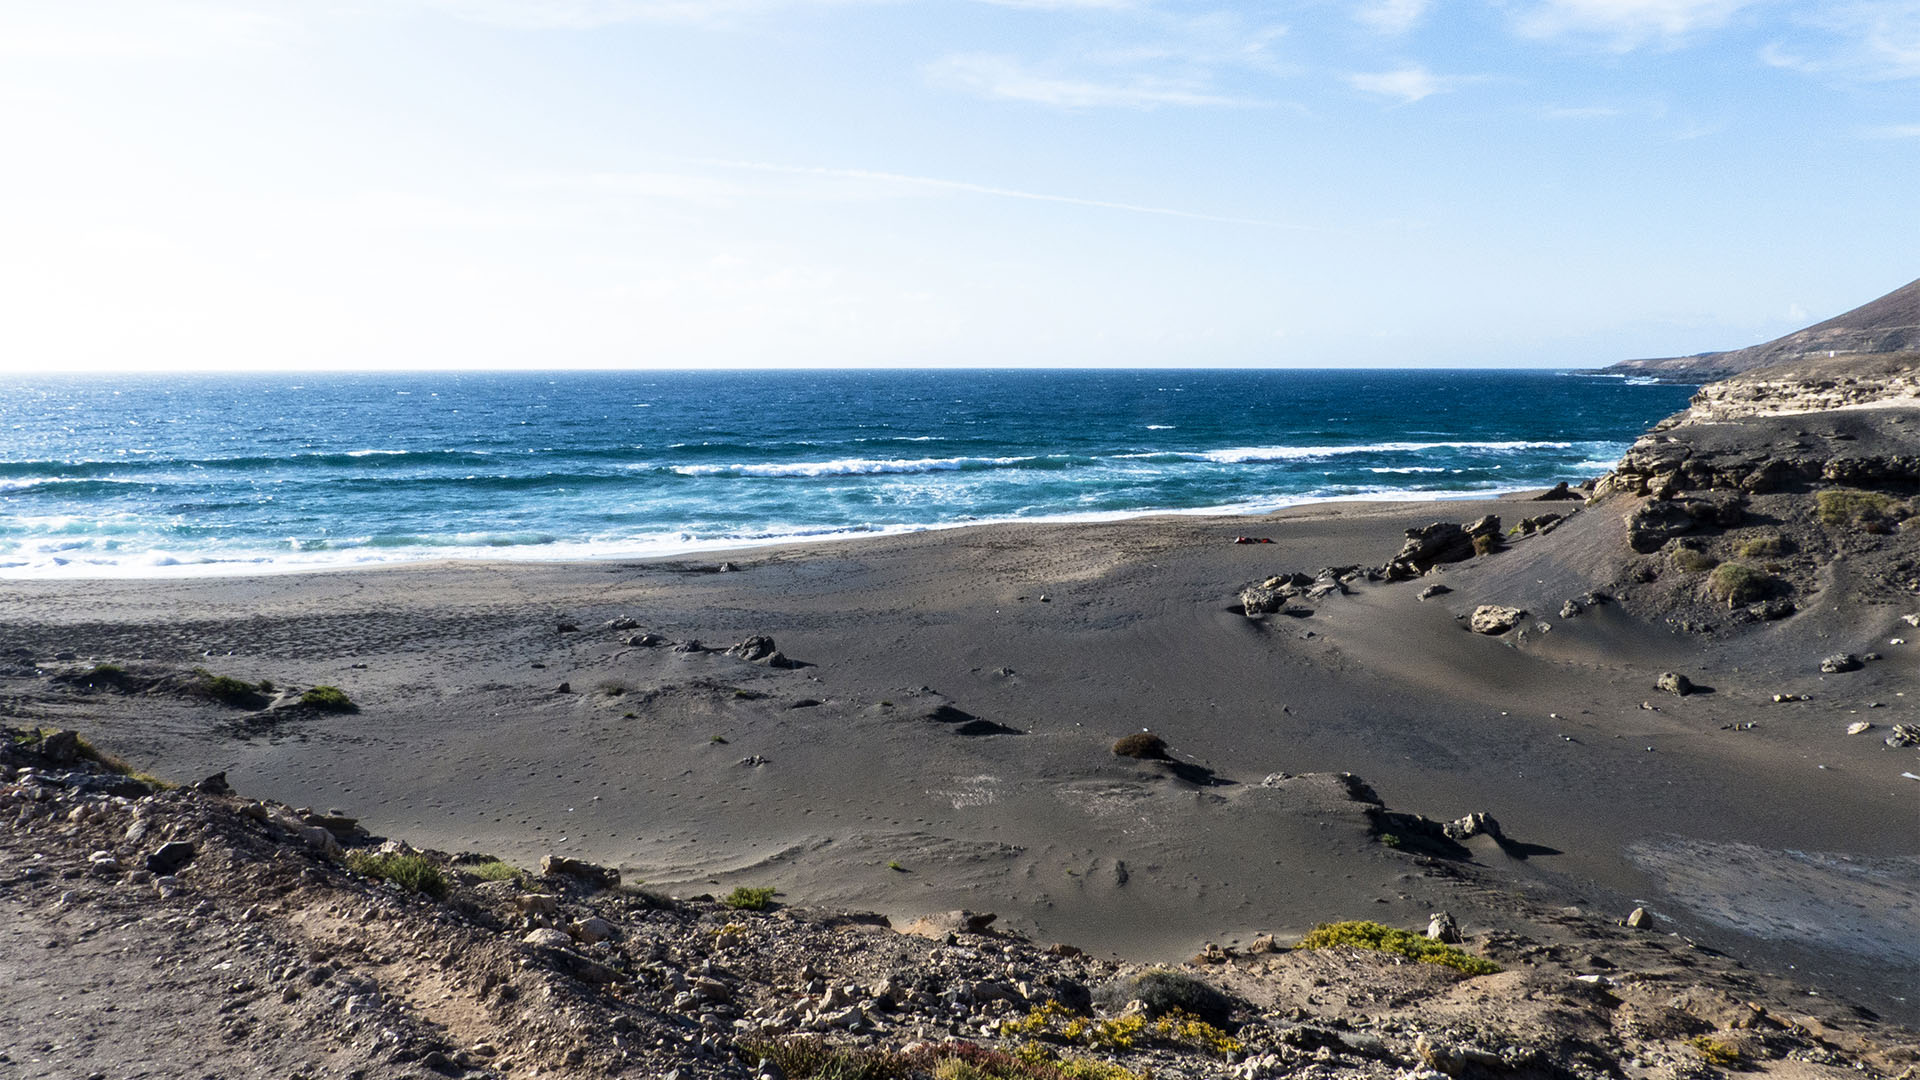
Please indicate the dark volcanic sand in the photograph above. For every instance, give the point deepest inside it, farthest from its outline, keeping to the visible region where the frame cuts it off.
(1787, 843)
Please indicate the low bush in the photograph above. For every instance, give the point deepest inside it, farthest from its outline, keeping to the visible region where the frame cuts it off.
(227, 689)
(1486, 544)
(1387, 939)
(1768, 546)
(1693, 560)
(1874, 510)
(1163, 991)
(329, 699)
(1738, 583)
(749, 898)
(1715, 1052)
(492, 869)
(414, 873)
(1144, 745)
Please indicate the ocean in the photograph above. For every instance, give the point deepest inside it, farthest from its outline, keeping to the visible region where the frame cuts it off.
(163, 475)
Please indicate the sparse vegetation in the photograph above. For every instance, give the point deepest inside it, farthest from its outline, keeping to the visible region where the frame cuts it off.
(492, 869)
(1874, 511)
(1715, 1052)
(1693, 560)
(812, 1058)
(717, 740)
(1392, 840)
(1486, 544)
(414, 873)
(749, 898)
(1144, 745)
(227, 689)
(1163, 992)
(1387, 939)
(895, 866)
(1738, 583)
(328, 698)
(115, 764)
(1768, 546)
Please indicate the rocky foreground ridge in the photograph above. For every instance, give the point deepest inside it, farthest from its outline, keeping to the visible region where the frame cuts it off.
(195, 932)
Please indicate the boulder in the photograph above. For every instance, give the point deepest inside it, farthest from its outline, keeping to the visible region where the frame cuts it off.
(1440, 925)
(938, 926)
(1570, 609)
(1638, 919)
(1475, 824)
(1425, 548)
(760, 649)
(170, 857)
(1674, 683)
(1492, 619)
(61, 747)
(622, 623)
(547, 937)
(1432, 591)
(1904, 735)
(1656, 521)
(560, 866)
(1840, 662)
(1558, 491)
(592, 930)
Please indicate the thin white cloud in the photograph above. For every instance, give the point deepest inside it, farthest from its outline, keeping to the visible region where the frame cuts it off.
(1406, 85)
(869, 176)
(1393, 16)
(1628, 24)
(589, 14)
(1003, 77)
(1875, 40)
(1893, 131)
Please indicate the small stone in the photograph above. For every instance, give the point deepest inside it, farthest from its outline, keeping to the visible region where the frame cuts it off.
(1840, 662)
(1432, 591)
(548, 938)
(1638, 919)
(1858, 727)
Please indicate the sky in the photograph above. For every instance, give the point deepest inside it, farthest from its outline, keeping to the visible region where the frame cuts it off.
(414, 184)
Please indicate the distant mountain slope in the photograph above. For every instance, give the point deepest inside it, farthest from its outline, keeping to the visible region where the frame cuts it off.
(1889, 324)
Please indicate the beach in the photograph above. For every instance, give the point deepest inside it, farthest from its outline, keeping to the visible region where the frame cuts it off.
(943, 738)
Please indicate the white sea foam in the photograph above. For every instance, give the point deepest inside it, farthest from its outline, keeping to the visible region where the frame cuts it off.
(849, 466)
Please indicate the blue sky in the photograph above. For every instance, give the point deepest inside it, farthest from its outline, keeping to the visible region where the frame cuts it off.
(675, 183)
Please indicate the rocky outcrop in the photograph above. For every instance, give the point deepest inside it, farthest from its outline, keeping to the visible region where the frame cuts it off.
(1492, 619)
(1441, 542)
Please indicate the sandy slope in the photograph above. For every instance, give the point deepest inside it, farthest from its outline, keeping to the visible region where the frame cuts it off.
(465, 742)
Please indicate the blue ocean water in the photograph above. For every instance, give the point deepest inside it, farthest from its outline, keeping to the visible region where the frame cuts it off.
(148, 474)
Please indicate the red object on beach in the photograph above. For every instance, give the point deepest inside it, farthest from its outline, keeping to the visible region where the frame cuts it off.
(1251, 540)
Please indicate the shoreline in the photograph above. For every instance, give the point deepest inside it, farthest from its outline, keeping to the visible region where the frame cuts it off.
(269, 566)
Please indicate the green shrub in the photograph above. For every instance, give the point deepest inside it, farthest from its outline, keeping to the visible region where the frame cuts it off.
(1738, 583)
(492, 869)
(1693, 560)
(115, 764)
(1715, 1052)
(226, 689)
(1163, 991)
(1144, 745)
(1387, 939)
(1486, 544)
(328, 698)
(1763, 547)
(414, 873)
(749, 898)
(1851, 506)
